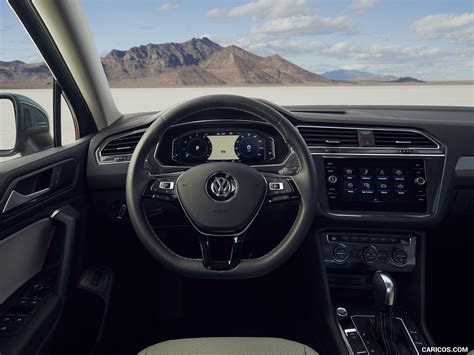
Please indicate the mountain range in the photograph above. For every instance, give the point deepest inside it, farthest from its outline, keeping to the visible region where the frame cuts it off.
(357, 76)
(197, 62)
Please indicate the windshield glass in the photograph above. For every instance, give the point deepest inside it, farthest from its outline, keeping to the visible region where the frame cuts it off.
(291, 52)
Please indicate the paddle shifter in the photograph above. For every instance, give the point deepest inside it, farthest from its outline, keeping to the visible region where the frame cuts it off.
(384, 328)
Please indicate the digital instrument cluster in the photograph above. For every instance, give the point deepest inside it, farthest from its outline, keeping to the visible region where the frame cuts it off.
(229, 145)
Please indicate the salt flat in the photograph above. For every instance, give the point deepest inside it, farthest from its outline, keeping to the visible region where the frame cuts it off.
(134, 100)
(155, 99)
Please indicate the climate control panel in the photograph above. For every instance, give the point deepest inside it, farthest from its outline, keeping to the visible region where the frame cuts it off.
(369, 251)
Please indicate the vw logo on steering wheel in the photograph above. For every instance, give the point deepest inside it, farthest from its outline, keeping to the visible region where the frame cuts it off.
(221, 186)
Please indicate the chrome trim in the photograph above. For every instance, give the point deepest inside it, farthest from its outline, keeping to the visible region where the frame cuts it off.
(17, 199)
(436, 195)
(426, 135)
(55, 213)
(390, 289)
(111, 138)
(163, 187)
(408, 155)
(399, 318)
(275, 186)
(344, 338)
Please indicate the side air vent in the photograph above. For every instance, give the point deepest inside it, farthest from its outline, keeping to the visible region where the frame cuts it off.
(119, 148)
(402, 139)
(123, 145)
(329, 137)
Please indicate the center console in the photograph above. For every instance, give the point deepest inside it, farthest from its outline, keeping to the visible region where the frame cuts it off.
(346, 249)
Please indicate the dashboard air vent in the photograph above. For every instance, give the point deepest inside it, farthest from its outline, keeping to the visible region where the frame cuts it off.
(329, 137)
(123, 145)
(402, 139)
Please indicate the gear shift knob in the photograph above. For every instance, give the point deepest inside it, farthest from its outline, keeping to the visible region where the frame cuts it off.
(385, 291)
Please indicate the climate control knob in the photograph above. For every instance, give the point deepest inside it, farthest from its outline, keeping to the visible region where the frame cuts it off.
(370, 255)
(399, 256)
(332, 179)
(340, 253)
(420, 181)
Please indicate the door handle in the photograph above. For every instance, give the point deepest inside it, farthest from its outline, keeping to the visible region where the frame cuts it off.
(17, 199)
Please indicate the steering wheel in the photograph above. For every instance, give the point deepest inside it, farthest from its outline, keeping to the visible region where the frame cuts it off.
(221, 199)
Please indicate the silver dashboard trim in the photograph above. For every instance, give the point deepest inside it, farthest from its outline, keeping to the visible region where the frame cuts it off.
(138, 130)
(426, 135)
(111, 138)
(435, 203)
(399, 318)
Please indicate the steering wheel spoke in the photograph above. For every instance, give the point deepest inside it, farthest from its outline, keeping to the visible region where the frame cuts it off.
(233, 256)
(280, 188)
(162, 187)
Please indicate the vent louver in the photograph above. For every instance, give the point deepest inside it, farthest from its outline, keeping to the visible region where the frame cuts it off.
(124, 145)
(329, 137)
(402, 139)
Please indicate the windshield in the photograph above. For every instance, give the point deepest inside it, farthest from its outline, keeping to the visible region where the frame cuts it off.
(291, 52)
(287, 51)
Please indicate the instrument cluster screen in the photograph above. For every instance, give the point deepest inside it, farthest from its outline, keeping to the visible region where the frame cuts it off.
(207, 146)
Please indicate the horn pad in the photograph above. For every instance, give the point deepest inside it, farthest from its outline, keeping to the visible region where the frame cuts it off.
(221, 198)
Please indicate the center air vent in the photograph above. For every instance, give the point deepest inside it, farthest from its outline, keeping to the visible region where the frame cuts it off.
(402, 139)
(329, 137)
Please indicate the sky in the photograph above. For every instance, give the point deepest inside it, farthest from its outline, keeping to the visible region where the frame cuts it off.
(426, 39)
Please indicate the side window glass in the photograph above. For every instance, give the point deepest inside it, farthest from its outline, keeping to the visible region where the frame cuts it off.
(26, 94)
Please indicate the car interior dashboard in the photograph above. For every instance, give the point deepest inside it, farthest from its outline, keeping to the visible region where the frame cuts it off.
(376, 163)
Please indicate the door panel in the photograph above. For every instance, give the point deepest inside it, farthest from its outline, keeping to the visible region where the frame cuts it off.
(31, 244)
(37, 243)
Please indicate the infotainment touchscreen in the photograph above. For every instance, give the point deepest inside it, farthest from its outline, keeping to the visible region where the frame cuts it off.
(397, 185)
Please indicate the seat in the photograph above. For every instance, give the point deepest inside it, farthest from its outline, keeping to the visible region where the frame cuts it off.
(229, 346)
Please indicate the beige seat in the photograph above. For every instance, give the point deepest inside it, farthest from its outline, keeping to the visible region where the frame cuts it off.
(229, 346)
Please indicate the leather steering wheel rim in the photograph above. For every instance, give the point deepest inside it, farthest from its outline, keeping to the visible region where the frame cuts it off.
(305, 181)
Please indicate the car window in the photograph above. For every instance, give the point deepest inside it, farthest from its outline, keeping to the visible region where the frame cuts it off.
(26, 94)
(293, 52)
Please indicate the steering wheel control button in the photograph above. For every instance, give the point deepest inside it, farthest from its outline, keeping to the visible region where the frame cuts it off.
(275, 186)
(399, 256)
(370, 255)
(166, 185)
(340, 253)
(332, 179)
(278, 189)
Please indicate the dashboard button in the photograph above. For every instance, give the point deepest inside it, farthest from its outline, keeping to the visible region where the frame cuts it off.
(381, 172)
(370, 255)
(420, 181)
(332, 179)
(382, 185)
(366, 185)
(340, 253)
(349, 185)
(365, 172)
(399, 256)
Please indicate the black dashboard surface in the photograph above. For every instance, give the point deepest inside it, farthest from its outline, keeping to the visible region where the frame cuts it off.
(452, 126)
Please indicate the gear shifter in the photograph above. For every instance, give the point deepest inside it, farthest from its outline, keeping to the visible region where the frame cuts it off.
(385, 291)
(384, 329)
